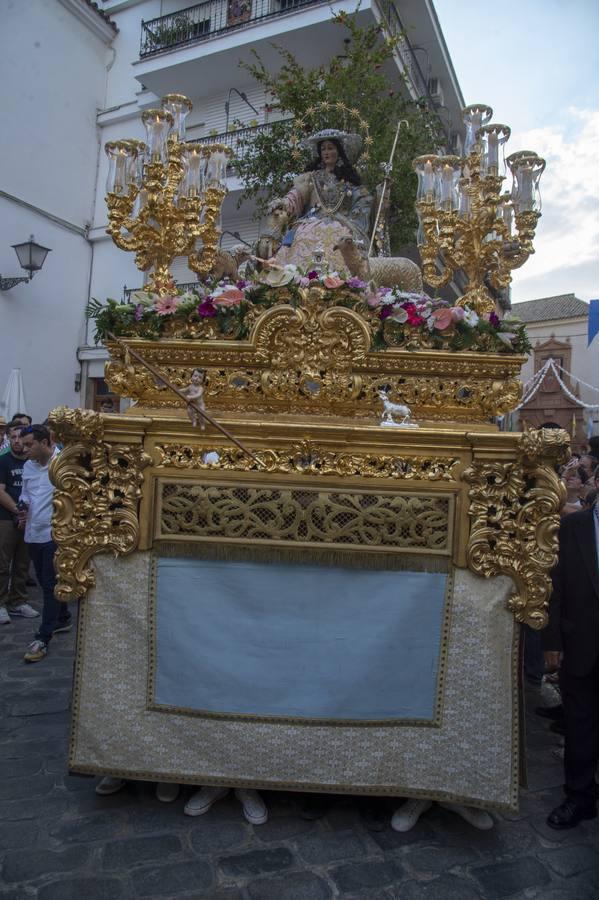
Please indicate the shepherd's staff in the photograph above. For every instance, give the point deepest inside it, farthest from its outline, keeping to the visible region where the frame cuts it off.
(157, 374)
(388, 168)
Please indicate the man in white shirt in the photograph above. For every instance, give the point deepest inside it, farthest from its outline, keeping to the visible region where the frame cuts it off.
(35, 516)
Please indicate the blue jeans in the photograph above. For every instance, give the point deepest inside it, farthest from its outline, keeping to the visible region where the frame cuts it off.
(54, 613)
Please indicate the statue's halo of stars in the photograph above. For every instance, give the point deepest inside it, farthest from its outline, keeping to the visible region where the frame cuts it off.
(353, 141)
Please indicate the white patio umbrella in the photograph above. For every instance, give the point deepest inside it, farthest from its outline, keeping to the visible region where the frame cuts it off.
(13, 399)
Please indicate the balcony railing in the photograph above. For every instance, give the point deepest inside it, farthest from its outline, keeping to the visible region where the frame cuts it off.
(404, 48)
(215, 17)
(209, 19)
(237, 140)
(186, 286)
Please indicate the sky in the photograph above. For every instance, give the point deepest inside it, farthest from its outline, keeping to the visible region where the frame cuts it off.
(536, 62)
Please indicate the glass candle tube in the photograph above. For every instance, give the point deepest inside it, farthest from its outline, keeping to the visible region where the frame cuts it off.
(216, 170)
(505, 212)
(110, 150)
(135, 166)
(120, 156)
(193, 181)
(448, 173)
(475, 116)
(424, 168)
(463, 198)
(492, 137)
(526, 168)
(179, 106)
(158, 123)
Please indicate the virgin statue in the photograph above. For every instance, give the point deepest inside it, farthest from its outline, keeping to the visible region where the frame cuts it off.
(326, 203)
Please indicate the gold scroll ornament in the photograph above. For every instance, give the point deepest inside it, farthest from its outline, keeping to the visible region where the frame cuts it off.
(514, 512)
(98, 486)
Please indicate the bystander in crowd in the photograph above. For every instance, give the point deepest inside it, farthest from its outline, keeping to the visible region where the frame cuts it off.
(571, 643)
(14, 555)
(21, 419)
(35, 516)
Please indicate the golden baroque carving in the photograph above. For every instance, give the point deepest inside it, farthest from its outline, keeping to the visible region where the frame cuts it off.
(303, 515)
(308, 459)
(514, 510)
(325, 392)
(98, 486)
(311, 336)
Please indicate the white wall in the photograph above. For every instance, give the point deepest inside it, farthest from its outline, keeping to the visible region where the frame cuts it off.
(53, 73)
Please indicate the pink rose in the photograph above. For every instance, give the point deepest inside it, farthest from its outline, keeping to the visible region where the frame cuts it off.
(232, 297)
(457, 313)
(331, 282)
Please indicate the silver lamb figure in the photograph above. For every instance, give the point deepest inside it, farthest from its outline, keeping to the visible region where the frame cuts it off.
(391, 409)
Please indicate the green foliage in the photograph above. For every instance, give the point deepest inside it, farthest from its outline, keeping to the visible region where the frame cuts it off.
(361, 83)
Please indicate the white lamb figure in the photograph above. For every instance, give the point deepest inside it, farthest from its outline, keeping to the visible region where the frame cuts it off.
(391, 409)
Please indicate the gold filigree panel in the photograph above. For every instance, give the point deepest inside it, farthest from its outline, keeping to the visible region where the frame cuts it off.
(361, 519)
(306, 458)
(332, 392)
(319, 360)
(98, 487)
(514, 511)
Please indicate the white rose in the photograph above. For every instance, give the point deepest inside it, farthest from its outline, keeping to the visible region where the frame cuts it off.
(146, 298)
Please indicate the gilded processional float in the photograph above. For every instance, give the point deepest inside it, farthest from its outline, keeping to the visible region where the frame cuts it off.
(321, 589)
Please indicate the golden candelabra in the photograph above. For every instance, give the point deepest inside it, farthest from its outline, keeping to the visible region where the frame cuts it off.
(466, 222)
(164, 196)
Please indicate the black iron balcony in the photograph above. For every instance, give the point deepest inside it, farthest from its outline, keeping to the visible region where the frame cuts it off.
(215, 17)
(209, 19)
(237, 139)
(186, 286)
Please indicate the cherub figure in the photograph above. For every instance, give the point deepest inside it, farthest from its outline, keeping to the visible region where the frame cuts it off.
(195, 391)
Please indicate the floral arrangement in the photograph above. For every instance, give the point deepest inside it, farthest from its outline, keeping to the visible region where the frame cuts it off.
(399, 319)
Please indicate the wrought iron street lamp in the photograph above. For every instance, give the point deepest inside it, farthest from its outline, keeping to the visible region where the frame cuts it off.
(31, 257)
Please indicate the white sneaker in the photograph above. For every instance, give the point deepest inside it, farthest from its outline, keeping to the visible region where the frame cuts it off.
(37, 650)
(28, 612)
(550, 695)
(478, 818)
(408, 814)
(167, 791)
(4, 617)
(109, 785)
(254, 808)
(203, 800)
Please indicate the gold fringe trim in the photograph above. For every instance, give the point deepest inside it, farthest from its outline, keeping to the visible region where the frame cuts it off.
(345, 558)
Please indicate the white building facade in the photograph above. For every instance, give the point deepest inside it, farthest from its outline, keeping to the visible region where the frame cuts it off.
(97, 66)
(53, 68)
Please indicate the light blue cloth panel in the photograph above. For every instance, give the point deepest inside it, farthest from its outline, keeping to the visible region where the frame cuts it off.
(294, 640)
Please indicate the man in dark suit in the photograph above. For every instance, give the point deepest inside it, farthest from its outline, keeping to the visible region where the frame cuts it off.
(572, 641)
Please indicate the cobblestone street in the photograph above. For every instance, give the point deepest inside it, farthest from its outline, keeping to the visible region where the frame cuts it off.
(59, 841)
